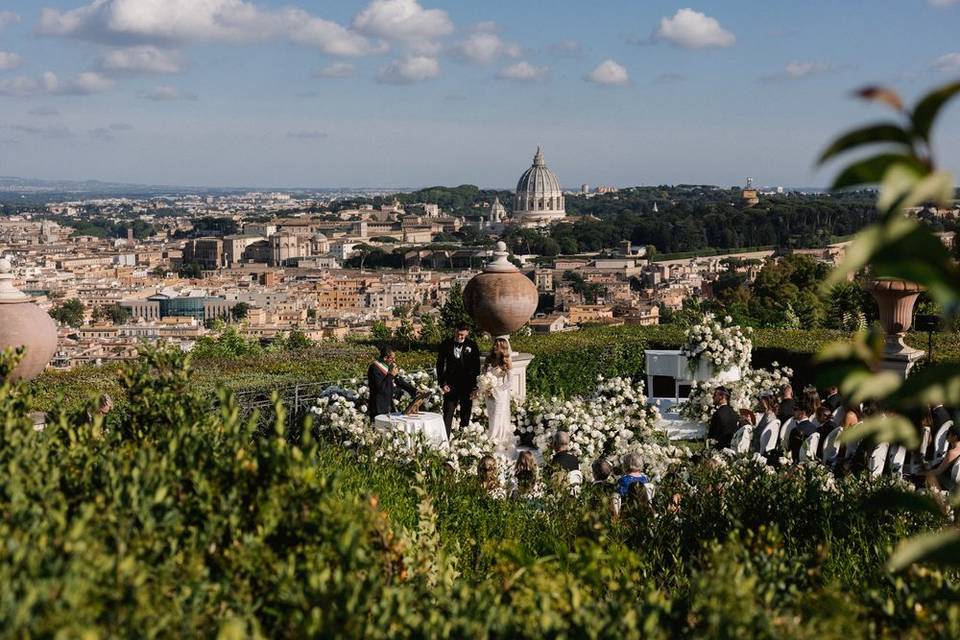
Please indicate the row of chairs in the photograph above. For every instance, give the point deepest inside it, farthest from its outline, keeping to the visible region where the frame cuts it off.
(884, 457)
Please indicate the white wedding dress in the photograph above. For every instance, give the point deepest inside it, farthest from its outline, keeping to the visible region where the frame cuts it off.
(500, 427)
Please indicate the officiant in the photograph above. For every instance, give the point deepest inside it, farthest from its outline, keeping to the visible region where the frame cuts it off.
(382, 378)
(458, 366)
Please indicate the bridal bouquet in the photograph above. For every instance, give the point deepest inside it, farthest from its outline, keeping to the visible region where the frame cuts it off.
(721, 345)
(485, 384)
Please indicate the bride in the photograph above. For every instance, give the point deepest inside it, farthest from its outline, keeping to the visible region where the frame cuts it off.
(495, 386)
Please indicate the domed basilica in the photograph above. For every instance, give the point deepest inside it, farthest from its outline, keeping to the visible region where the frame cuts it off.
(539, 199)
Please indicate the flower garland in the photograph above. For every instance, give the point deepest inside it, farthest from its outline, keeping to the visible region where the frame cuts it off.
(718, 343)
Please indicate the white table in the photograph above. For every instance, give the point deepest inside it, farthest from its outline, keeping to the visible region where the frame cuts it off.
(677, 428)
(427, 423)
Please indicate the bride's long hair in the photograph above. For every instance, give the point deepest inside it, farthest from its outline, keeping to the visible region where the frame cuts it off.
(499, 355)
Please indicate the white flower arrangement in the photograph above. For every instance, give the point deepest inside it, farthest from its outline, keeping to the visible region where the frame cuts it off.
(485, 384)
(744, 394)
(718, 343)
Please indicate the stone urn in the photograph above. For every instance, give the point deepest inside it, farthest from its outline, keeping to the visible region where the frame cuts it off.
(24, 324)
(501, 299)
(895, 299)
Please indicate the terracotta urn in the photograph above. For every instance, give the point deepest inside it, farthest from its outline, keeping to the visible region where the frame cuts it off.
(895, 299)
(24, 324)
(501, 299)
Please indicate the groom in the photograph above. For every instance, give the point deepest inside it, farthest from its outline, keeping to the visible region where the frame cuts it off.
(458, 365)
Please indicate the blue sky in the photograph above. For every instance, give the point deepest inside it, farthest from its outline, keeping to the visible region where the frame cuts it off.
(421, 92)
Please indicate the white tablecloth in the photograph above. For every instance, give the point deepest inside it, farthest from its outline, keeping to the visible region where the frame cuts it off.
(429, 424)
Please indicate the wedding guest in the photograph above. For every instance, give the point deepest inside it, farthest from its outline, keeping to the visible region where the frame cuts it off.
(812, 399)
(633, 474)
(939, 477)
(803, 429)
(833, 400)
(826, 425)
(637, 502)
(458, 367)
(747, 418)
(787, 403)
(724, 422)
(562, 458)
(767, 431)
(489, 476)
(602, 470)
(525, 481)
(382, 376)
(941, 415)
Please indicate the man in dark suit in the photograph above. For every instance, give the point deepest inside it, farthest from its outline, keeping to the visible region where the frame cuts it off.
(562, 458)
(382, 378)
(787, 403)
(833, 400)
(458, 366)
(725, 420)
(941, 415)
(804, 429)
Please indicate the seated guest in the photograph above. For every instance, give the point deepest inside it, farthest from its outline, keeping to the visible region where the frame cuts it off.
(637, 502)
(489, 477)
(812, 399)
(803, 429)
(768, 418)
(787, 403)
(602, 470)
(563, 458)
(940, 415)
(826, 425)
(725, 421)
(747, 418)
(833, 400)
(939, 477)
(633, 468)
(525, 481)
(382, 376)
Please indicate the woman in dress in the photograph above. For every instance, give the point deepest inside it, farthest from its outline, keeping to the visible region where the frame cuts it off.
(497, 370)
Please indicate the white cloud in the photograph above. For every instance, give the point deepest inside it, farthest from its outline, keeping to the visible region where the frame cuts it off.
(142, 59)
(693, 30)
(483, 47)
(948, 62)
(166, 93)
(335, 70)
(131, 22)
(523, 71)
(7, 18)
(609, 73)
(940, 4)
(49, 84)
(9, 61)
(409, 69)
(402, 20)
(798, 70)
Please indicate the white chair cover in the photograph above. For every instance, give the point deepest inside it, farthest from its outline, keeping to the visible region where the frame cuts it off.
(830, 447)
(877, 459)
(925, 436)
(785, 432)
(896, 458)
(940, 442)
(808, 451)
(955, 473)
(742, 438)
(770, 436)
(838, 414)
(575, 480)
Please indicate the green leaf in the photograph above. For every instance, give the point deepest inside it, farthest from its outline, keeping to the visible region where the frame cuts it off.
(888, 97)
(872, 170)
(932, 384)
(883, 428)
(927, 109)
(884, 132)
(940, 547)
(892, 499)
(898, 182)
(868, 386)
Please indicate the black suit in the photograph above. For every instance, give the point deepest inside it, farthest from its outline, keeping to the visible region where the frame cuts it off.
(566, 461)
(381, 385)
(458, 367)
(786, 409)
(800, 433)
(834, 402)
(723, 425)
(940, 416)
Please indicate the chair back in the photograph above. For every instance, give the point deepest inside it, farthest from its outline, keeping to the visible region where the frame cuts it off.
(785, 431)
(770, 435)
(575, 480)
(808, 452)
(955, 473)
(838, 414)
(940, 442)
(830, 447)
(925, 435)
(896, 459)
(878, 459)
(741, 439)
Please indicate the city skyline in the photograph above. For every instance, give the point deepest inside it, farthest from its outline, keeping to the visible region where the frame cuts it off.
(231, 93)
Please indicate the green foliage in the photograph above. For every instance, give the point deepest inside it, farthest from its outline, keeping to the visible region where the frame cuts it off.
(453, 312)
(69, 312)
(239, 311)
